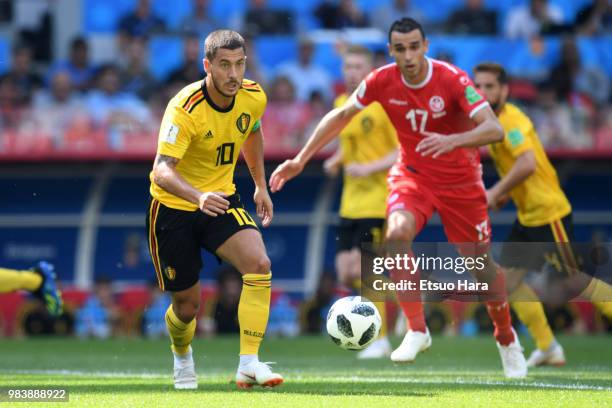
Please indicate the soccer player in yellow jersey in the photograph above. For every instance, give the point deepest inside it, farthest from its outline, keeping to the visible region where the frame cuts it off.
(39, 281)
(368, 148)
(194, 205)
(544, 212)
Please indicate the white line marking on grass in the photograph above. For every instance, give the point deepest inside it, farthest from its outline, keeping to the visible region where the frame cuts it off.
(459, 381)
(353, 379)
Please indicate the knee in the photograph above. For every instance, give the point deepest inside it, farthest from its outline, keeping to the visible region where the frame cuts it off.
(186, 310)
(400, 230)
(259, 265)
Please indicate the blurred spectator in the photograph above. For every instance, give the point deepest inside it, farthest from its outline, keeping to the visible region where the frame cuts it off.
(342, 14)
(286, 119)
(283, 319)
(142, 22)
(11, 104)
(570, 76)
(120, 112)
(603, 131)
(153, 317)
(192, 69)
(305, 75)
(229, 288)
(23, 75)
(99, 315)
(6, 11)
(261, 20)
(473, 18)
(314, 310)
(254, 70)
(530, 20)
(388, 12)
(200, 23)
(318, 108)
(135, 76)
(594, 19)
(556, 123)
(54, 109)
(381, 58)
(78, 66)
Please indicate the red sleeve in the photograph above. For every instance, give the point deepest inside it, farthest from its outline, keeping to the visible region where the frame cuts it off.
(366, 92)
(465, 93)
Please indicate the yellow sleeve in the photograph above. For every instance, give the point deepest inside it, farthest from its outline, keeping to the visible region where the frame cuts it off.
(391, 133)
(177, 129)
(518, 139)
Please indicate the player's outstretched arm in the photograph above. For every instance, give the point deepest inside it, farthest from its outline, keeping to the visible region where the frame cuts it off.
(488, 130)
(166, 176)
(365, 169)
(253, 150)
(328, 128)
(333, 164)
(523, 167)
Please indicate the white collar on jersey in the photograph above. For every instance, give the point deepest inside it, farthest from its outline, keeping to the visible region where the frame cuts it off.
(425, 81)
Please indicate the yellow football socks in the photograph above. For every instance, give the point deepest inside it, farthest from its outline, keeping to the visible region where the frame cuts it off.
(530, 311)
(600, 293)
(253, 310)
(382, 309)
(181, 333)
(11, 280)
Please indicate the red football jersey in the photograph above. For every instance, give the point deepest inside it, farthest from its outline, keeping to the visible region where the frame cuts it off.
(443, 103)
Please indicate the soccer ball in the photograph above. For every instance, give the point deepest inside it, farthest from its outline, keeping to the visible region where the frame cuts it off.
(353, 322)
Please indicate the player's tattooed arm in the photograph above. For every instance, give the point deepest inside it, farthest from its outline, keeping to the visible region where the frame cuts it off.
(166, 177)
(169, 160)
(253, 150)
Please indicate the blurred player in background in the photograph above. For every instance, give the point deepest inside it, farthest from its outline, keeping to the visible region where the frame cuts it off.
(368, 148)
(440, 119)
(194, 205)
(39, 281)
(544, 213)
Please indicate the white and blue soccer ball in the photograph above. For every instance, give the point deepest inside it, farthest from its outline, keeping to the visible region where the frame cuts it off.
(353, 322)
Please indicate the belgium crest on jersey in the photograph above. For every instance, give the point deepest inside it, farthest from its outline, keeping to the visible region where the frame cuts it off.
(243, 122)
(170, 272)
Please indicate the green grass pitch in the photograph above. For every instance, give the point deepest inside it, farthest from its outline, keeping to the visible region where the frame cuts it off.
(455, 372)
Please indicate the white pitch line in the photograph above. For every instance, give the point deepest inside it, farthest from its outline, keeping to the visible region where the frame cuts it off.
(354, 379)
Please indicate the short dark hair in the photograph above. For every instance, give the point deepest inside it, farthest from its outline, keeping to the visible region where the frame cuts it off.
(357, 49)
(227, 39)
(406, 25)
(493, 68)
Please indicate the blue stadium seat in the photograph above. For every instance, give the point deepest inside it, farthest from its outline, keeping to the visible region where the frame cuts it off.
(274, 50)
(104, 16)
(165, 55)
(437, 11)
(224, 10)
(172, 12)
(5, 55)
(326, 56)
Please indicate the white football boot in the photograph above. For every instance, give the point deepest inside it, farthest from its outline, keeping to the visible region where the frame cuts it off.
(553, 356)
(414, 342)
(513, 359)
(380, 348)
(257, 373)
(184, 372)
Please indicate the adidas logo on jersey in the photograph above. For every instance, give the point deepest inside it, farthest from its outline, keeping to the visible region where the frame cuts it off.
(208, 135)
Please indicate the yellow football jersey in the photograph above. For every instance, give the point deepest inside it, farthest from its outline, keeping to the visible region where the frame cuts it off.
(206, 138)
(539, 199)
(369, 136)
